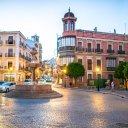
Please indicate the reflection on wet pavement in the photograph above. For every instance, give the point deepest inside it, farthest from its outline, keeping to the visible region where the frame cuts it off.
(76, 109)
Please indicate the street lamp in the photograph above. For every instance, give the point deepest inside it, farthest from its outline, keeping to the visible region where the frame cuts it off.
(64, 77)
(10, 72)
(97, 71)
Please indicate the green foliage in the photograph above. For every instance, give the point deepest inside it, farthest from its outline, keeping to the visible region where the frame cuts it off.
(96, 82)
(126, 71)
(75, 70)
(119, 71)
(100, 82)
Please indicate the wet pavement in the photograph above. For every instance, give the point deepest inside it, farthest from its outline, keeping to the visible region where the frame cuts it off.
(77, 108)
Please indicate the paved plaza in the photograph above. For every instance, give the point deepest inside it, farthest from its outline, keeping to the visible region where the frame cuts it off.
(77, 108)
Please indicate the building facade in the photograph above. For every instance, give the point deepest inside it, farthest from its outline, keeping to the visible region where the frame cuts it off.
(91, 48)
(15, 54)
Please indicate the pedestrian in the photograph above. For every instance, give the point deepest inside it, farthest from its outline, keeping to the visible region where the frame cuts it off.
(112, 86)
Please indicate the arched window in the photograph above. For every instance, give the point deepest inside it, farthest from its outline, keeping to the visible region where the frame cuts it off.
(66, 26)
(72, 26)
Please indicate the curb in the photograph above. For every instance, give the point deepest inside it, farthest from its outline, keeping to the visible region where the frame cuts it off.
(122, 96)
(105, 92)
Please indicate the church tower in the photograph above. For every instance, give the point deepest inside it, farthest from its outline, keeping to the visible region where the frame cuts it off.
(69, 23)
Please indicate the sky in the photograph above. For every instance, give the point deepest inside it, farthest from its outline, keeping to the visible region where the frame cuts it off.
(44, 18)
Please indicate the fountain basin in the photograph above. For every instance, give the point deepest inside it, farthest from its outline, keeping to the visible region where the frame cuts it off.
(34, 88)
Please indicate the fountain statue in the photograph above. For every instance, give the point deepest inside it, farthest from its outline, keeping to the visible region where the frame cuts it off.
(34, 63)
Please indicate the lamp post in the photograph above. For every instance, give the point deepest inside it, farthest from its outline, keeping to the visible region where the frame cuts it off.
(10, 72)
(97, 71)
(64, 72)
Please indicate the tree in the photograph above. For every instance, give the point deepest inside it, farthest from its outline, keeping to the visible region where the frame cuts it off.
(126, 73)
(119, 71)
(75, 70)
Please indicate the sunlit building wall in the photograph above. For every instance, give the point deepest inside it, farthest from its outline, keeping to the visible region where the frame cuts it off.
(14, 54)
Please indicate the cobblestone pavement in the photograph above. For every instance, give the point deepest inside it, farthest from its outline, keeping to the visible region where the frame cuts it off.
(77, 108)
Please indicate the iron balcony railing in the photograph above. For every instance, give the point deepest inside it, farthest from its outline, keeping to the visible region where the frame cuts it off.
(89, 49)
(12, 42)
(99, 50)
(80, 49)
(121, 52)
(110, 51)
(9, 54)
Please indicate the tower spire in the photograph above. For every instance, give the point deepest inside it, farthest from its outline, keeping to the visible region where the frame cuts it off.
(69, 10)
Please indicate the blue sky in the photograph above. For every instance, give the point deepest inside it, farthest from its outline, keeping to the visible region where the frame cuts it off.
(44, 18)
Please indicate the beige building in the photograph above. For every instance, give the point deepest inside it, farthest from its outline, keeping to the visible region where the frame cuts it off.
(15, 53)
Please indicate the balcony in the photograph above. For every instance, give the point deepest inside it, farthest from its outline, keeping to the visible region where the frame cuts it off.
(110, 51)
(121, 52)
(80, 49)
(70, 48)
(110, 68)
(89, 49)
(12, 42)
(99, 50)
(9, 54)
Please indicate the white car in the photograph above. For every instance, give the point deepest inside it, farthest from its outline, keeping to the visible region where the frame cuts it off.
(28, 82)
(41, 81)
(7, 86)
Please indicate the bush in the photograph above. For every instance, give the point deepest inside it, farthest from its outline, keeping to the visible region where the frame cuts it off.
(95, 82)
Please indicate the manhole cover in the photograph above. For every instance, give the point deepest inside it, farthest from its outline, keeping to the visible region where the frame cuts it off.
(122, 125)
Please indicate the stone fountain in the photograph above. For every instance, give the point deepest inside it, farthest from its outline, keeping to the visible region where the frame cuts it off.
(34, 63)
(34, 89)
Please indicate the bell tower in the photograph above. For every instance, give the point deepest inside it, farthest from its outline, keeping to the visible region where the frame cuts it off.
(69, 23)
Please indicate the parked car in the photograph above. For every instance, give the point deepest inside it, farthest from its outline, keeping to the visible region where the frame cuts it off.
(1, 82)
(7, 86)
(28, 82)
(41, 81)
(48, 79)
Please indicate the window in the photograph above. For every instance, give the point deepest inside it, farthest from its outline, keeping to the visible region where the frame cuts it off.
(110, 77)
(99, 63)
(10, 39)
(109, 46)
(89, 45)
(66, 26)
(111, 62)
(80, 44)
(10, 52)
(89, 76)
(9, 64)
(66, 41)
(89, 64)
(120, 48)
(98, 46)
(72, 26)
(80, 61)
